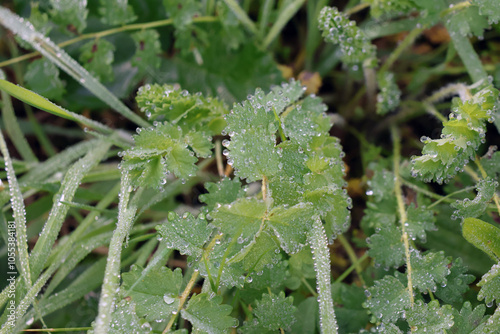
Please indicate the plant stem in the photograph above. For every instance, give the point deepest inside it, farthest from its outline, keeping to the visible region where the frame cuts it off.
(58, 330)
(321, 256)
(284, 16)
(242, 16)
(352, 255)
(434, 112)
(409, 39)
(357, 8)
(351, 268)
(401, 206)
(184, 296)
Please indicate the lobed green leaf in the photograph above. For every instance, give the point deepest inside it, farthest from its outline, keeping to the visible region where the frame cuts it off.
(156, 295)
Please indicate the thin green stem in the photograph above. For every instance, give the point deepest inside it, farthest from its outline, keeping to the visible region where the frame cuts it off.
(409, 39)
(351, 254)
(242, 16)
(357, 8)
(434, 112)
(396, 140)
(456, 7)
(59, 330)
(308, 286)
(353, 266)
(264, 15)
(182, 301)
(284, 16)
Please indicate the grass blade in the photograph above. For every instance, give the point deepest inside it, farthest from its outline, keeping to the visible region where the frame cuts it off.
(25, 30)
(284, 16)
(58, 213)
(19, 213)
(38, 101)
(112, 275)
(468, 55)
(13, 129)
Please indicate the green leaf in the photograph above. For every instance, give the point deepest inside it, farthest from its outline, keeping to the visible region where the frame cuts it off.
(457, 283)
(116, 12)
(43, 77)
(252, 126)
(350, 314)
(125, 320)
(442, 158)
(241, 219)
(307, 316)
(273, 312)
(484, 236)
(381, 184)
(232, 274)
(467, 22)
(264, 252)
(389, 96)
(189, 111)
(386, 246)
(159, 150)
(389, 299)
(490, 165)
(147, 50)
(208, 314)
(383, 329)
(223, 192)
(187, 234)
(290, 225)
(70, 13)
(429, 269)
(429, 318)
(490, 285)
(271, 276)
(302, 264)
(157, 294)
(474, 208)
(97, 57)
(305, 121)
(338, 29)
(467, 319)
(182, 12)
(419, 220)
(39, 20)
(253, 153)
(229, 74)
(388, 8)
(489, 8)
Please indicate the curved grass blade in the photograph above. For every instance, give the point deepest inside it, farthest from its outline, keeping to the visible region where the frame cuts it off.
(38, 101)
(19, 212)
(25, 30)
(111, 280)
(58, 212)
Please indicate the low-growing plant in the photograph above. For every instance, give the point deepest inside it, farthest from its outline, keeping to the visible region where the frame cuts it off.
(229, 209)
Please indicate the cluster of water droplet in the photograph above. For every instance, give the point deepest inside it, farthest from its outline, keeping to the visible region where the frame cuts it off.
(338, 29)
(389, 96)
